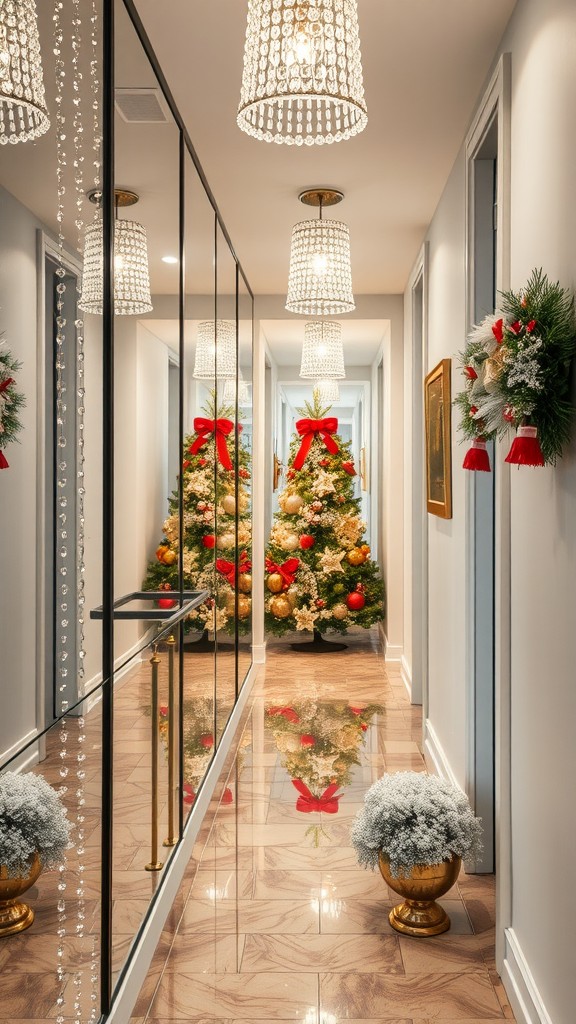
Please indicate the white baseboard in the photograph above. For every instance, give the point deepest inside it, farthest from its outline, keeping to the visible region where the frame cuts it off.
(406, 676)
(130, 662)
(520, 986)
(392, 652)
(259, 653)
(436, 757)
(27, 757)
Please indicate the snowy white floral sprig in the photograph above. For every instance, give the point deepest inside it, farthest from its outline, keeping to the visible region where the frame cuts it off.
(414, 818)
(32, 820)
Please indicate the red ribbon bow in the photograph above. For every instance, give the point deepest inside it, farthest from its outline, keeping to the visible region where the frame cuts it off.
(287, 570)
(228, 569)
(222, 428)
(6, 384)
(307, 802)
(3, 461)
(288, 713)
(308, 430)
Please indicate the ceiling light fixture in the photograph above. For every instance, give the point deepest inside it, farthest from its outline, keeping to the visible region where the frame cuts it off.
(322, 351)
(320, 277)
(131, 275)
(230, 391)
(215, 350)
(23, 113)
(326, 391)
(302, 77)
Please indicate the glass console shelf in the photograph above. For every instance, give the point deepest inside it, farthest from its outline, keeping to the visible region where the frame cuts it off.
(136, 606)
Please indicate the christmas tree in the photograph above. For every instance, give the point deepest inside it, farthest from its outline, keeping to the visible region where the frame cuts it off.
(216, 554)
(319, 574)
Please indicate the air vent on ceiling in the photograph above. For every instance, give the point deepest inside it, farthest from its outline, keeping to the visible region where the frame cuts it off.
(141, 106)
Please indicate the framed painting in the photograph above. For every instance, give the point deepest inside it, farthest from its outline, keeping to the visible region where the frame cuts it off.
(438, 441)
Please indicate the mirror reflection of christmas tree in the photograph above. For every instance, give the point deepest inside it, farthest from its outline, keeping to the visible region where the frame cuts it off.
(210, 502)
(320, 742)
(319, 574)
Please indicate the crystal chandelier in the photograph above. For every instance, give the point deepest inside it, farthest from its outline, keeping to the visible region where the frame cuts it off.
(326, 391)
(302, 77)
(230, 391)
(320, 277)
(215, 350)
(322, 351)
(131, 276)
(23, 113)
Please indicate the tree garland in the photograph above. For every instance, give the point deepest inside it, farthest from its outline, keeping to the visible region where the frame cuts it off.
(11, 401)
(517, 369)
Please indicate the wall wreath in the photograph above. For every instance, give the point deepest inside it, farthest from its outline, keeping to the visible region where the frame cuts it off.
(11, 402)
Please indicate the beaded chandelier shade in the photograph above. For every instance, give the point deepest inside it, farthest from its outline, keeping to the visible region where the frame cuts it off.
(326, 391)
(320, 277)
(230, 391)
(322, 351)
(215, 350)
(131, 277)
(23, 113)
(302, 78)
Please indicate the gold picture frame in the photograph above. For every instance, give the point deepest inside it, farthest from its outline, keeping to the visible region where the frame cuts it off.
(276, 471)
(437, 403)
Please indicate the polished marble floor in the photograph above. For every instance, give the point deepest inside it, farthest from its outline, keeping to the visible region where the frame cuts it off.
(274, 920)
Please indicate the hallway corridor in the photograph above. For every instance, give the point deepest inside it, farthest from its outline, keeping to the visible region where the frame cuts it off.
(274, 920)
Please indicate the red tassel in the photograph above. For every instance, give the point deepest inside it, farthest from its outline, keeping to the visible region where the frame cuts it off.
(3, 461)
(526, 450)
(477, 457)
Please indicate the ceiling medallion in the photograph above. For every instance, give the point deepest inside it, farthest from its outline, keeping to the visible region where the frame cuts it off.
(320, 276)
(302, 77)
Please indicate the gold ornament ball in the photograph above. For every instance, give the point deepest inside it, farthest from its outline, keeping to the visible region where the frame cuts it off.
(225, 540)
(292, 597)
(244, 606)
(244, 583)
(293, 503)
(290, 542)
(274, 583)
(170, 557)
(355, 556)
(229, 504)
(339, 611)
(280, 607)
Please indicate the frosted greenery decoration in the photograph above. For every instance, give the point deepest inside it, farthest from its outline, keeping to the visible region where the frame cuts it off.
(414, 818)
(32, 820)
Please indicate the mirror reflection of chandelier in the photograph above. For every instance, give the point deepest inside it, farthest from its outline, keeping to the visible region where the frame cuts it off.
(302, 78)
(23, 113)
(230, 390)
(131, 275)
(322, 351)
(327, 391)
(320, 276)
(215, 350)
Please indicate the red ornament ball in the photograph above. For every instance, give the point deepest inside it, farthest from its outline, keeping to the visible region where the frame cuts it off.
(307, 740)
(207, 740)
(165, 602)
(355, 601)
(227, 796)
(209, 540)
(319, 603)
(306, 541)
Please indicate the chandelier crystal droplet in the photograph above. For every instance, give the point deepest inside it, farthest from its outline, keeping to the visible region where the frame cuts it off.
(320, 278)
(131, 275)
(302, 78)
(215, 350)
(322, 351)
(23, 113)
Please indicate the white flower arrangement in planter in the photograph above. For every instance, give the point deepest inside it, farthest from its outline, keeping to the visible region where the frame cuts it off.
(412, 819)
(32, 821)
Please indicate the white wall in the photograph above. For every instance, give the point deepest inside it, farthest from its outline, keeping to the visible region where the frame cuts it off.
(539, 967)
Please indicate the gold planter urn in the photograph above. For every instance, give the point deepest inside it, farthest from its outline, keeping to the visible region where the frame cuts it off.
(16, 916)
(419, 914)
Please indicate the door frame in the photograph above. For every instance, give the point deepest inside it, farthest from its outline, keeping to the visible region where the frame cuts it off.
(495, 101)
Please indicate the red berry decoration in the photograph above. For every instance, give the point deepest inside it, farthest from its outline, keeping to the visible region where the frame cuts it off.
(306, 541)
(355, 601)
(209, 540)
(307, 740)
(207, 740)
(320, 603)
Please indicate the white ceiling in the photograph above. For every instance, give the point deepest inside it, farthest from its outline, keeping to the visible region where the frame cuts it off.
(424, 63)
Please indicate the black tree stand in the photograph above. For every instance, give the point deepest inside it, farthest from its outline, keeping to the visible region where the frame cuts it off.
(318, 645)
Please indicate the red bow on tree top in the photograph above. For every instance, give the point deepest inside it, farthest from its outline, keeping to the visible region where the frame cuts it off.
(307, 802)
(228, 569)
(287, 570)
(288, 713)
(222, 428)
(308, 430)
(4, 385)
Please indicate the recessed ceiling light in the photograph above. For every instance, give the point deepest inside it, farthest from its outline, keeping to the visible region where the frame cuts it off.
(169, 259)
